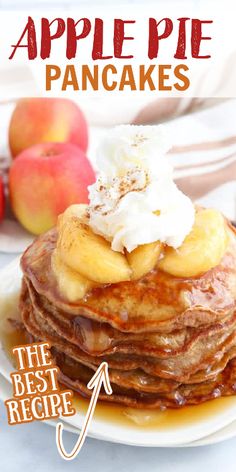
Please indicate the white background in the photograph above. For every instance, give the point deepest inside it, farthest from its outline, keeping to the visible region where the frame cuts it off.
(5, 4)
(215, 76)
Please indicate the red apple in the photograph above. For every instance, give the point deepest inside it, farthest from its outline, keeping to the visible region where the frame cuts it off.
(44, 180)
(2, 200)
(40, 120)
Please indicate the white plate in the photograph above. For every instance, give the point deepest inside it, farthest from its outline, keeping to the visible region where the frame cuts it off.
(10, 278)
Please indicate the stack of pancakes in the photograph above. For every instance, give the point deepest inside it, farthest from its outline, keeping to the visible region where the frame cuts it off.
(168, 341)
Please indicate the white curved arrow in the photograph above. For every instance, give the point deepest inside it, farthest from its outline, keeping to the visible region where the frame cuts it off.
(100, 377)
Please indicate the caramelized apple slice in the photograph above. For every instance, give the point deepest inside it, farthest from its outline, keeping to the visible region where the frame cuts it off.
(78, 209)
(73, 285)
(90, 254)
(201, 250)
(143, 259)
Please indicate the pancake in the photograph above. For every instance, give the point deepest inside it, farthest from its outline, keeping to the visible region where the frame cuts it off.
(39, 327)
(178, 367)
(134, 388)
(100, 338)
(168, 341)
(224, 385)
(156, 302)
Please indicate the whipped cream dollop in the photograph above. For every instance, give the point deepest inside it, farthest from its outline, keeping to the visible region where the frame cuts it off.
(134, 200)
